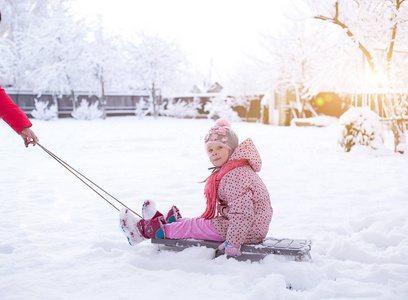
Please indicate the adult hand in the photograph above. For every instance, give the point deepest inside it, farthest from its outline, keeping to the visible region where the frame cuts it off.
(29, 137)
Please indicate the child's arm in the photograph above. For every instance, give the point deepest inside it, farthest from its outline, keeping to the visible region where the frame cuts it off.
(237, 189)
(240, 215)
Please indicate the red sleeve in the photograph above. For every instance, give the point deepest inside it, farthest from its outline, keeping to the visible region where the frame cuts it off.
(12, 114)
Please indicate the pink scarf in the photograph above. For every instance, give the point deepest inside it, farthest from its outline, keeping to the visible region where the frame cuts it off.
(211, 187)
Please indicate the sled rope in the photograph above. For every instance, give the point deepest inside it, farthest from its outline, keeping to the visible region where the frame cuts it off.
(86, 180)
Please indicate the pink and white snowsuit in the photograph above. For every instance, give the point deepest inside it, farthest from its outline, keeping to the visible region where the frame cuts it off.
(245, 207)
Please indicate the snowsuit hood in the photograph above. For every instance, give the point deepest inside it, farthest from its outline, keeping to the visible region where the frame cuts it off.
(248, 151)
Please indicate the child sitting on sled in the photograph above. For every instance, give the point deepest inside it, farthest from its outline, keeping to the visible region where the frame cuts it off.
(238, 208)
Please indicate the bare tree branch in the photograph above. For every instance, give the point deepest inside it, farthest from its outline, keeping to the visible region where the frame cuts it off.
(392, 42)
(335, 20)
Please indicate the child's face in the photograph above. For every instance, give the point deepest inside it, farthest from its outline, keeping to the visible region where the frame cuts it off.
(218, 154)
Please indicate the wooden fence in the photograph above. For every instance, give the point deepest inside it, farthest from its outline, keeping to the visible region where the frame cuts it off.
(118, 104)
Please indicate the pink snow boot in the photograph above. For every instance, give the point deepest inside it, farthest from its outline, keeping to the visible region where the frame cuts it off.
(173, 215)
(137, 230)
(152, 228)
(129, 222)
(149, 211)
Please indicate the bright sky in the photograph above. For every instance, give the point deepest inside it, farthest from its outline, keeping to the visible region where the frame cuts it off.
(217, 31)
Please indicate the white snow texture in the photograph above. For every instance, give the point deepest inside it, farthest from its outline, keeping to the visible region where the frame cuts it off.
(60, 240)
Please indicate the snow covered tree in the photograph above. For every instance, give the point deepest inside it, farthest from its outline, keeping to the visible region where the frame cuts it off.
(53, 53)
(7, 61)
(155, 64)
(306, 60)
(183, 109)
(17, 16)
(396, 108)
(45, 48)
(143, 108)
(246, 85)
(87, 111)
(104, 60)
(45, 112)
(379, 29)
(220, 106)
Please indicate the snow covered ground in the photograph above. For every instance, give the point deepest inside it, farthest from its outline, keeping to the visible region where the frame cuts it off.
(59, 240)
